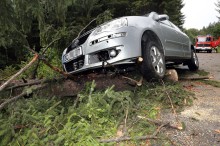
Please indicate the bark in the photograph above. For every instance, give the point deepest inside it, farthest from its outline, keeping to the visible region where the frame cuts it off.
(20, 72)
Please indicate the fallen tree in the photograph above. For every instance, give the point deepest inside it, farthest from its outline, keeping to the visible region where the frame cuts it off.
(25, 92)
(3, 86)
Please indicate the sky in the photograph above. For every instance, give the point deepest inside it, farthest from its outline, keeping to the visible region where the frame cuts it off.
(199, 13)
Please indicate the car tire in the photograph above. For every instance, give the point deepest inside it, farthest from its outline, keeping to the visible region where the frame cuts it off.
(153, 66)
(193, 63)
(210, 51)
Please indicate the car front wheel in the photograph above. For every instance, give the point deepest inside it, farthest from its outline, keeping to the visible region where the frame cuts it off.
(153, 65)
(193, 63)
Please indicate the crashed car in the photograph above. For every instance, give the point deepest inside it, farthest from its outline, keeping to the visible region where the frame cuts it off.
(149, 42)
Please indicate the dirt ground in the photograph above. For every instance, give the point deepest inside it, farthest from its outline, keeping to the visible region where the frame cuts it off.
(202, 120)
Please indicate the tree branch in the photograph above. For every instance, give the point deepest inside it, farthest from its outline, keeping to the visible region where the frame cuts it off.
(35, 82)
(195, 78)
(20, 72)
(55, 68)
(127, 138)
(41, 57)
(45, 49)
(19, 96)
(86, 27)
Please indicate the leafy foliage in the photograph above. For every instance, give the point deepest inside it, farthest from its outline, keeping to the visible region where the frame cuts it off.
(7, 72)
(92, 116)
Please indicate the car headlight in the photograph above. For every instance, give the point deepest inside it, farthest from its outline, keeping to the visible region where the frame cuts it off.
(64, 52)
(115, 24)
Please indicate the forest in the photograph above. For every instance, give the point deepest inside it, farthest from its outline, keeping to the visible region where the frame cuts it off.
(35, 24)
(90, 116)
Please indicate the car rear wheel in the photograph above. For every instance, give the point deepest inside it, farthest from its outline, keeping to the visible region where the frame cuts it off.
(153, 65)
(193, 63)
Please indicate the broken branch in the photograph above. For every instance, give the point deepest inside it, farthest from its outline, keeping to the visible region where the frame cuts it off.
(19, 96)
(36, 82)
(158, 122)
(20, 72)
(45, 49)
(127, 138)
(179, 124)
(55, 68)
(49, 65)
(195, 78)
(138, 83)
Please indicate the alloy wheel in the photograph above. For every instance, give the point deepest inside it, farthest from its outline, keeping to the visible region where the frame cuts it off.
(157, 60)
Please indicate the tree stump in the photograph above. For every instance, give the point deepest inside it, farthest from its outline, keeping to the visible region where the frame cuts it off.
(171, 75)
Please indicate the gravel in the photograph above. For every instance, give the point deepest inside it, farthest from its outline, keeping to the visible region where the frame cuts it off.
(202, 119)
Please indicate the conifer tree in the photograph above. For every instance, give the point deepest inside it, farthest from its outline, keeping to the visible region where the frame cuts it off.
(37, 23)
(218, 8)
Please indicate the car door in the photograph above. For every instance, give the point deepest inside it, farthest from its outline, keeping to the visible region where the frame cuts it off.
(184, 40)
(172, 44)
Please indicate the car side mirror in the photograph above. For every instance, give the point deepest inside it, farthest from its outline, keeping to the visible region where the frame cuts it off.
(162, 17)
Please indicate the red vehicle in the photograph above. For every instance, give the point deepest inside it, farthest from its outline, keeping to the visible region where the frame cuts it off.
(206, 43)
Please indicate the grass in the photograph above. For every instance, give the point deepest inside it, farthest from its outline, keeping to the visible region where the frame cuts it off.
(212, 83)
(202, 73)
(218, 50)
(208, 82)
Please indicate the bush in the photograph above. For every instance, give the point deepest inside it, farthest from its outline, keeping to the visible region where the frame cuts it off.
(218, 50)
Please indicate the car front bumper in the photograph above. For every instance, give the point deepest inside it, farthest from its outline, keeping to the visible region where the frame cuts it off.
(203, 48)
(121, 46)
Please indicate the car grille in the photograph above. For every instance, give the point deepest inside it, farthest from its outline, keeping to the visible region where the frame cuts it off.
(81, 40)
(203, 45)
(75, 64)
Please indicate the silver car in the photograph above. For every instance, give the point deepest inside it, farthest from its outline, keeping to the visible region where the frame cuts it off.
(149, 42)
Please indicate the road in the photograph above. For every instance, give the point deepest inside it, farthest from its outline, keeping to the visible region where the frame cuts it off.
(210, 62)
(202, 119)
